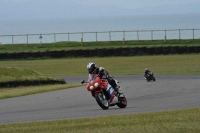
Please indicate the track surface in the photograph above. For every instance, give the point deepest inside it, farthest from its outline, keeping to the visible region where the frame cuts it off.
(167, 93)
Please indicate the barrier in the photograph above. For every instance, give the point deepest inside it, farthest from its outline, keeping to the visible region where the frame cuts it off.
(104, 36)
(150, 51)
(117, 51)
(92, 52)
(197, 49)
(103, 52)
(174, 50)
(109, 52)
(190, 49)
(125, 51)
(141, 50)
(133, 51)
(165, 50)
(182, 49)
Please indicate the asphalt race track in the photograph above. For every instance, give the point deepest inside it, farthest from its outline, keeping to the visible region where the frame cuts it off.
(167, 93)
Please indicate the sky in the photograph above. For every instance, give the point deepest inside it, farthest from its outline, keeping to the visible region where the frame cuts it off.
(46, 9)
(134, 4)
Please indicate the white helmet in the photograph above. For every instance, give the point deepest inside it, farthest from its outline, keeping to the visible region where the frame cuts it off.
(91, 67)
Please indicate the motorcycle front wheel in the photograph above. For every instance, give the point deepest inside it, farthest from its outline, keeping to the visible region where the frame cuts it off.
(101, 100)
(153, 78)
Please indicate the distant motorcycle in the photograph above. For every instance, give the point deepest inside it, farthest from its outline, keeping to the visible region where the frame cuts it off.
(150, 77)
(104, 93)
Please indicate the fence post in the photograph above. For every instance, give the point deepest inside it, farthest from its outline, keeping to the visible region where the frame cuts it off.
(152, 35)
(81, 41)
(110, 35)
(96, 36)
(27, 39)
(40, 37)
(68, 37)
(54, 38)
(137, 35)
(193, 33)
(179, 34)
(124, 36)
(165, 36)
(81, 38)
(12, 39)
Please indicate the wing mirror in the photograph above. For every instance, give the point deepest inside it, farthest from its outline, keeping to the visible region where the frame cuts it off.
(83, 81)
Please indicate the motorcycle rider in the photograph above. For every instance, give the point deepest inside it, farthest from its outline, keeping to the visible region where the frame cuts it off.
(104, 74)
(146, 72)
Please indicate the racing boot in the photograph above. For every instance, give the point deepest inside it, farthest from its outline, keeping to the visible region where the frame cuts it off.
(118, 90)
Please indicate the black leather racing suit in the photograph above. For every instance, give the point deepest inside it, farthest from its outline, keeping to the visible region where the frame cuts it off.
(104, 74)
(146, 73)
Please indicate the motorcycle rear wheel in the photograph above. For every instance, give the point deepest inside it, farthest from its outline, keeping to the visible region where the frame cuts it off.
(102, 101)
(122, 103)
(153, 78)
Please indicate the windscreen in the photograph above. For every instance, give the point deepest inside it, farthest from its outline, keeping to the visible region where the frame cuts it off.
(91, 77)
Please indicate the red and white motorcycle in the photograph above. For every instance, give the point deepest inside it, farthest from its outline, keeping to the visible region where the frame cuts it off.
(104, 93)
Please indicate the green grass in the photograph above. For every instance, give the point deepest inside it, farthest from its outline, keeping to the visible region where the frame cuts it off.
(24, 82)
(29, 90)
(92, 45)
(183, 121)
(162, 64)
(180, 121)
(19, 74)
(13, 77)
(132, 65)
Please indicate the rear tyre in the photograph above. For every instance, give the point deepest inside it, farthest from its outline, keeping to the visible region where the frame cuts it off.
(153, 78)
(102, 101)
(122, 102)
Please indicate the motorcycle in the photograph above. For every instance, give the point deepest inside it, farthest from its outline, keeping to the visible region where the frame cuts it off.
(150, 77)
(104, 93)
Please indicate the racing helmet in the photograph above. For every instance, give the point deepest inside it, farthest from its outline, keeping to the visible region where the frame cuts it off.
(91, 67)
(146, 69)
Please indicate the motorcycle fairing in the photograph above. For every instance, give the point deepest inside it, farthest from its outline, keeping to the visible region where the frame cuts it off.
(110, 90)
(96, 79)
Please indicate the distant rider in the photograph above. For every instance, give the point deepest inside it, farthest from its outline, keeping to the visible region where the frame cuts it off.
(104, 74)
(146, 72)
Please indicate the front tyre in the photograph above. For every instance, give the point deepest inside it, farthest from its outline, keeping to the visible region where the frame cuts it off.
(101, 100)
(122, 102)
(148, 78)
(153, 78)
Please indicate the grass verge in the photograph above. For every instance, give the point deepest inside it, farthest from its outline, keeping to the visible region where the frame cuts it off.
(29, 90)
(180, 121)
(131, 65)
(13, 76)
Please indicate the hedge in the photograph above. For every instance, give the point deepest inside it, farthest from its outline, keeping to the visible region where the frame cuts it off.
(104, 52)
